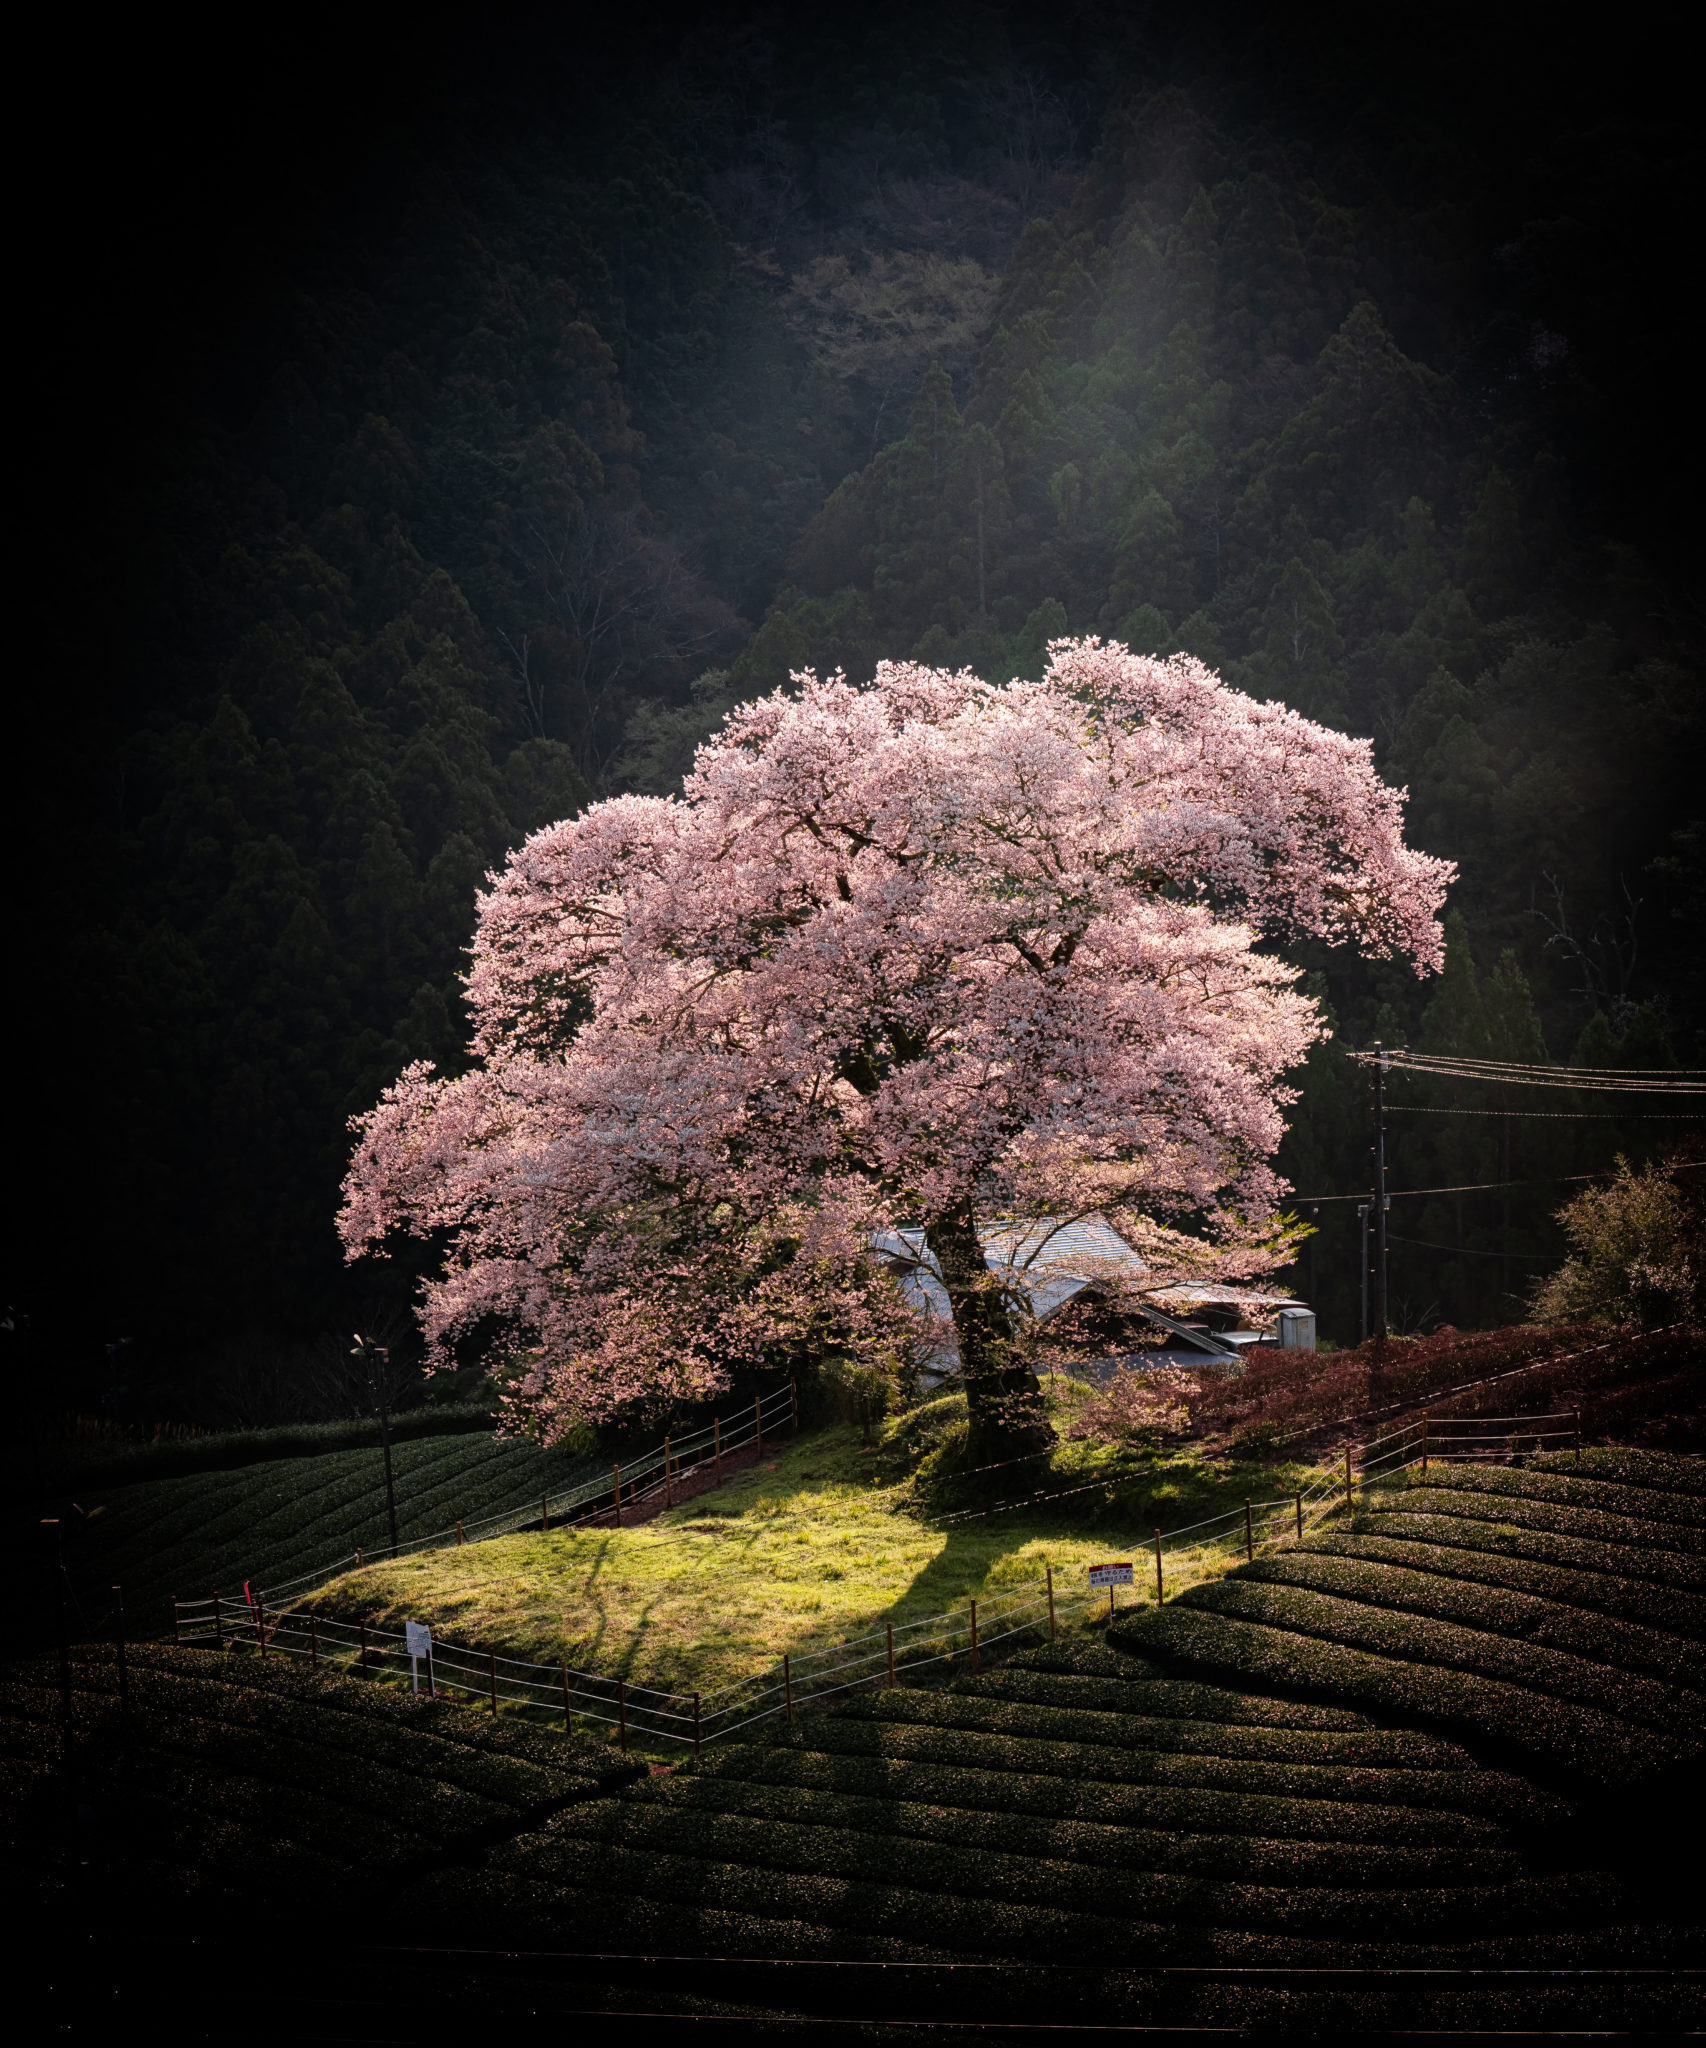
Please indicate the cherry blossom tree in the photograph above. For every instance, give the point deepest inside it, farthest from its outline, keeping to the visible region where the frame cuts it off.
(914, 954)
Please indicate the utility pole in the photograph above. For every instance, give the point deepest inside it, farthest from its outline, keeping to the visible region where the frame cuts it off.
(377, 1375)
(1380, 1204)
(1362, 1217)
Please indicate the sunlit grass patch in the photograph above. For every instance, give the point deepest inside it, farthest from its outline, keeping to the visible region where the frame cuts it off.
(826, 1541)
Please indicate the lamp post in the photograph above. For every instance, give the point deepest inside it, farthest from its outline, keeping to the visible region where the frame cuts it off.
(377, 1375)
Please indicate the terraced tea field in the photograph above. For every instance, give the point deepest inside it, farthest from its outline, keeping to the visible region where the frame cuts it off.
(267, 1522)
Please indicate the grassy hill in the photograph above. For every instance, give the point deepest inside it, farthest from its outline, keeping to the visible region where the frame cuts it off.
(1460, 1733)
(827, 1540)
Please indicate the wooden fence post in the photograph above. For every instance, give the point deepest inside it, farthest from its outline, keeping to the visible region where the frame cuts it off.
(1158, 1586)
(974, 1638)
(758, 1418)
(1249, 1533)
(1425, 1447)
(314, 1641)
(1048, 1571)
(622, 1712)
(1578, 1436)
(544, 1514)
(363, 1645)
(261, 1623)
(568, 1716)
(492, 1667)
(668, 1477)
(618, 1496)
(695, 1727)
(1348, 1500)
(358, 1557)
(1300, 1517)
(890, 1628)
(717, 1436)
(459, 1535)
(794, 1406)
(787, 1685)
(218, 1625)
(177, 1626)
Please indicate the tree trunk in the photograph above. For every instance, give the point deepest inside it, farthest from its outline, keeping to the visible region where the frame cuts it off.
(1003, 1395)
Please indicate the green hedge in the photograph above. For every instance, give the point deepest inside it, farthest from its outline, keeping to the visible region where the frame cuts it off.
(447, 1722)
(975, 1926)
(1592, 1591)
(1490, 1504)
(271, 1522)
(1527, 1618)
(103, 1465)
(1593, 1496)
(1477, 1792)
(1597, 1748)
(800, 1849)
(1305, 1734)
(994, 1709)
(1247, 1859)
(1457, 1531)
(1085, 1660)
(1661, 1471)
(1416, 1639)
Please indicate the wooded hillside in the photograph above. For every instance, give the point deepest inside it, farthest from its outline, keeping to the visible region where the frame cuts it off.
(493, 425)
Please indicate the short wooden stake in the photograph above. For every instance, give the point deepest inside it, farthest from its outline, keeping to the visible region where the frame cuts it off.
(314, 1640)
(1425, 1447)
(1348, 1500)
(1300, 1517)
(794, 1406)
(787, 1685)
(544, 1513)
(717, 1436)
(492, 1656)
(568, 1716)
(358, 1557)
(758, 1422)
(364, 1646)
(1048, 1572)
(1158, 1588)
(459, 1535)
(1110, 1603)
(622, 1712)
(668, 1477)
(1578, 1436)
(261, 1625)
(618, 1496)
(177, 1626)
(218, 1625)
(890, 1627)
(695, 1727)
(432, 1683)
(1249, 1532)
(974, 1634)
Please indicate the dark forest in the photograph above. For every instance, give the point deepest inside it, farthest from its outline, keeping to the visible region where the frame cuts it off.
(433, 438)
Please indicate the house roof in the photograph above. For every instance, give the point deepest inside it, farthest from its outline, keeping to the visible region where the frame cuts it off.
(1054, 1258)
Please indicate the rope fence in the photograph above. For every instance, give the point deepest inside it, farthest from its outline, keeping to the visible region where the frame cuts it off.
(648, 1715)
(655, 1477)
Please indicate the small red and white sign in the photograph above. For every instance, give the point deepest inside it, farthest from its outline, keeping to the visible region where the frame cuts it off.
(1119, 1574)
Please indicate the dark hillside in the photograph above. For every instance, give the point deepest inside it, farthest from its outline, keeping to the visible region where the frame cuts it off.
(440, 430)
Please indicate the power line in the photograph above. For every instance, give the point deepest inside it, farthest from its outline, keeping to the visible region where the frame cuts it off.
(1468, 1251)
(1472, 1187)
(1528, 1074)
(1568, 1116)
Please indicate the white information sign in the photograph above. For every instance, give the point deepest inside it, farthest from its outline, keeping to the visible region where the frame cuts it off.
(419, 1638)
(1110, 1575)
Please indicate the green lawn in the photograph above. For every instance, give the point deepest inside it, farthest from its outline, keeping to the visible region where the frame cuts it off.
(825, 1542)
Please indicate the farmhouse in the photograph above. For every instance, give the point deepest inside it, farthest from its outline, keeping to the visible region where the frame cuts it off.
(1047, 1261)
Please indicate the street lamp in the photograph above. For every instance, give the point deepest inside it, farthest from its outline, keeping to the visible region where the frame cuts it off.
(376, 1357)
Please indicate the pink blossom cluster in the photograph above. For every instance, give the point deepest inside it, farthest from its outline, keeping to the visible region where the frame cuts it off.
(896, 950)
